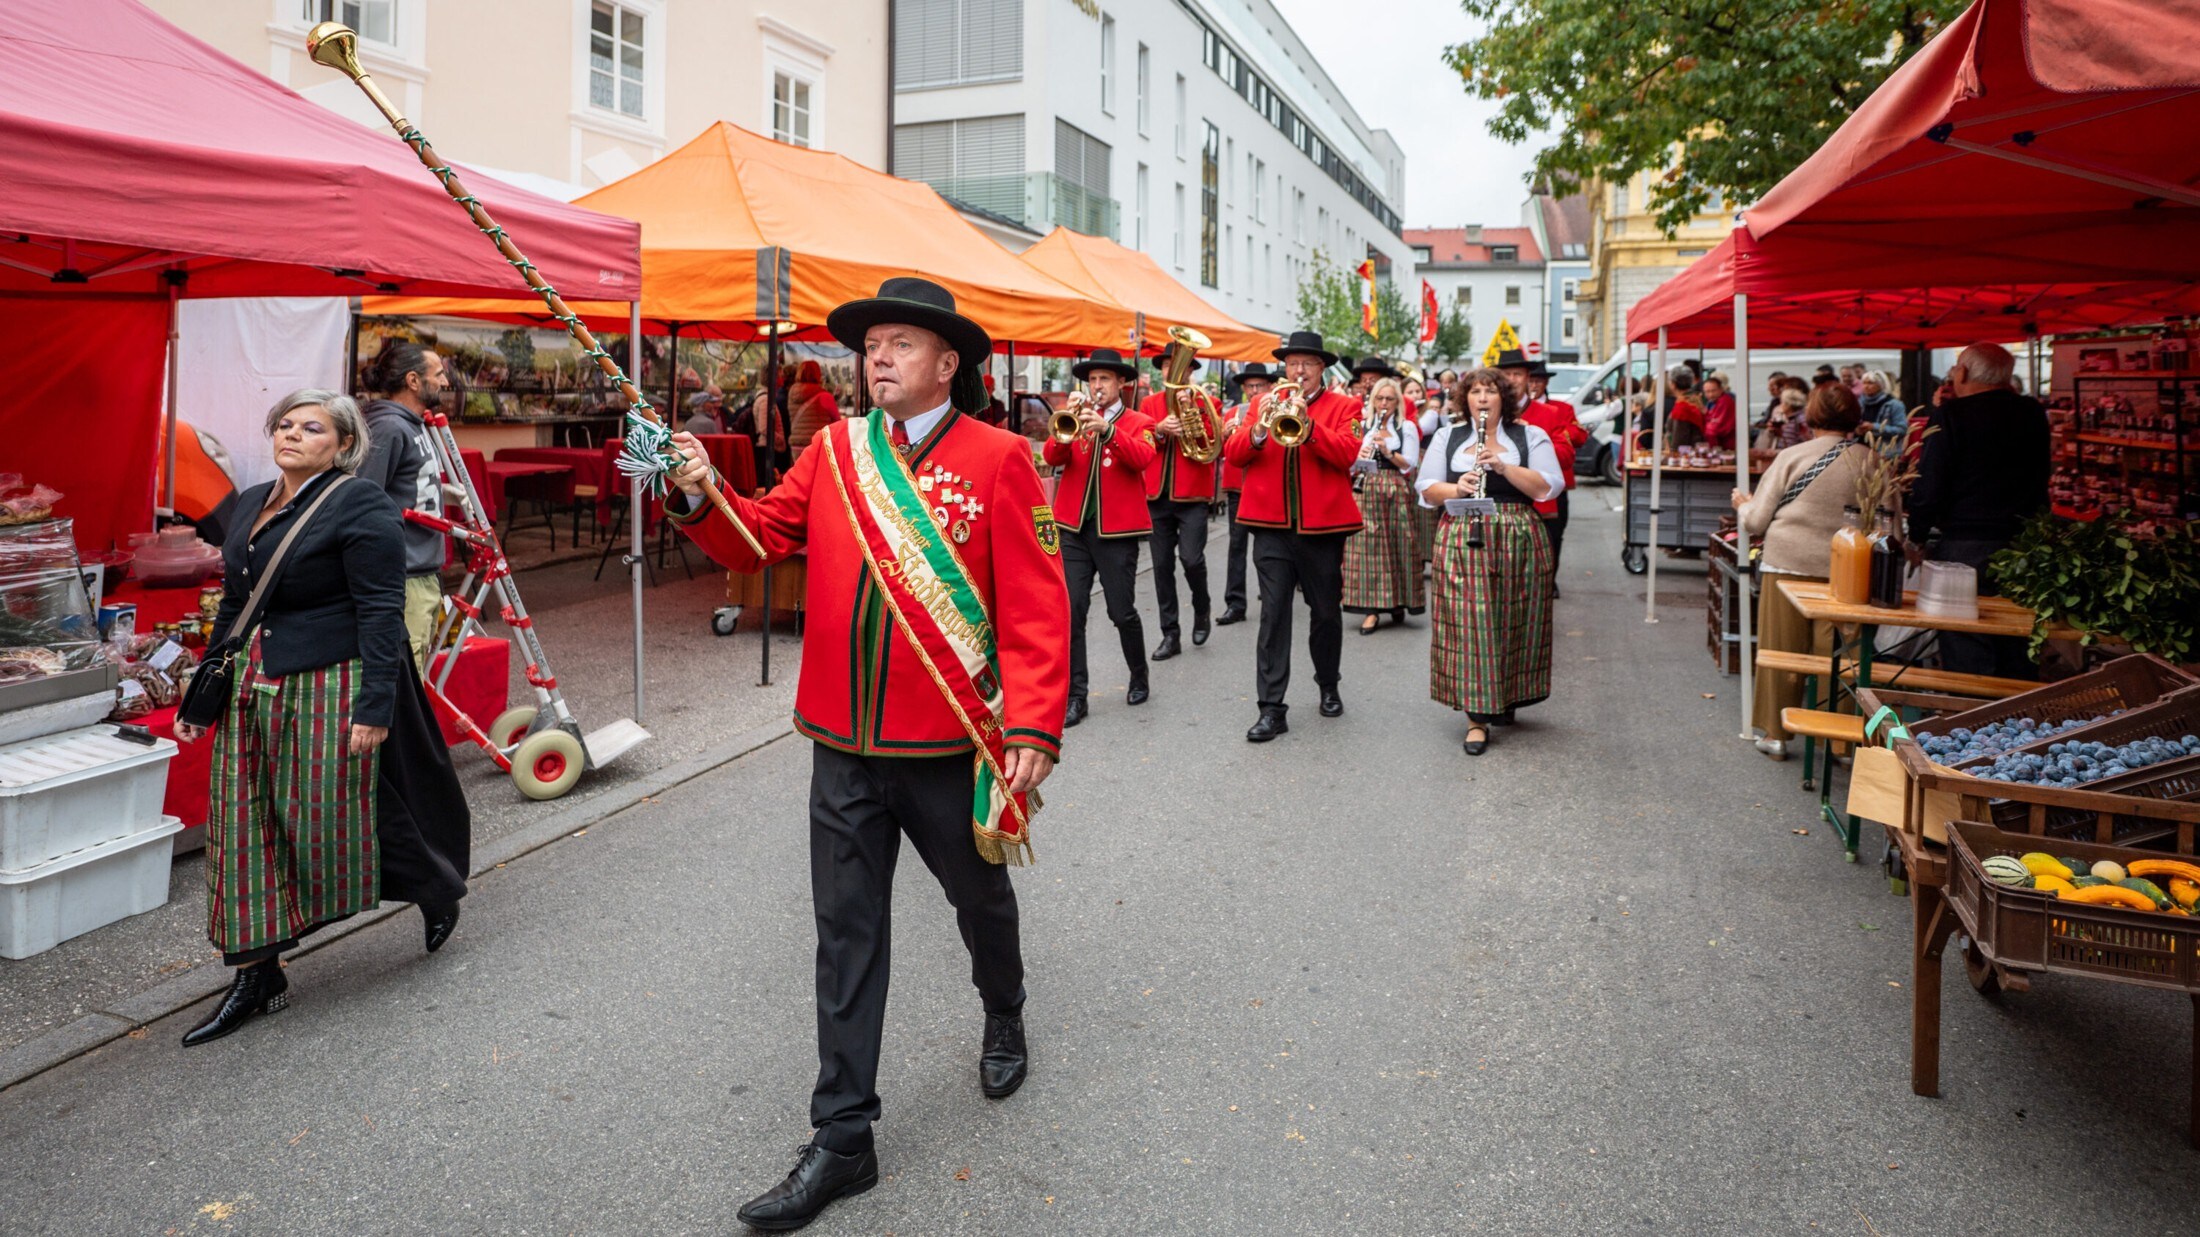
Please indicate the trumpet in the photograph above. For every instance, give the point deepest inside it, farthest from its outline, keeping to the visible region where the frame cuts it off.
(1065, 425)
(1284, 416)
(1189, 401)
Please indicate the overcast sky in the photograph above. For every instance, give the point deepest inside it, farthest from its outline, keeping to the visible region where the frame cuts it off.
(1386, 55)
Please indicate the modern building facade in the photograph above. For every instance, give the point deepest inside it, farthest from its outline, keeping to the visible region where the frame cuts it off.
(1202, 132)
(1629, 256)
(564, 96)
(1491, 275)
(1561, 227)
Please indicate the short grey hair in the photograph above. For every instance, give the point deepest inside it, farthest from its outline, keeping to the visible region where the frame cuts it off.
(343, 416)
(1882, 379)
(1989, 365)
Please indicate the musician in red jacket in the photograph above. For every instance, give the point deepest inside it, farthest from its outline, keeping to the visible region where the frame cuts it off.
(1299, 502)
(1100, 506)
(1531, 383)
(934, 675)
(1179, 490)
(1253, 382)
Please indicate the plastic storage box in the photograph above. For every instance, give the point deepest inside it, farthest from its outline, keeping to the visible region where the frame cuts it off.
(77, 893)
(77, 789)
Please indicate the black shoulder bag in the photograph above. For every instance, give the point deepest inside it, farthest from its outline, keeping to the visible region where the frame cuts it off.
(207, 698)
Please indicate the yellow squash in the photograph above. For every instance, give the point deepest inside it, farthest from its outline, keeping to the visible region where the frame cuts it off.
(2109, 895)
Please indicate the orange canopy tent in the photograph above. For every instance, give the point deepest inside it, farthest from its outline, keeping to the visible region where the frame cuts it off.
(1100, 268)
(739, 230)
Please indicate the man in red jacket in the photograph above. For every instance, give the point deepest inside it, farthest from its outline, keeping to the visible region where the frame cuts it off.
(1531, 381)
(1298, 501)
(933, 683)
(1100, 506)
(1179, 490)
(1253, 382)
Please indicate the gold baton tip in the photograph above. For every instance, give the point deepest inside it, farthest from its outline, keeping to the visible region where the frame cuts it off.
(335, 44)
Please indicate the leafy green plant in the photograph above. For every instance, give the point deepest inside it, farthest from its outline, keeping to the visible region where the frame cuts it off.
(1329, 302)
(2108, 580)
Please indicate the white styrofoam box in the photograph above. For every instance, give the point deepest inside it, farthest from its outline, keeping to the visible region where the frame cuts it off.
(54, 716)
(81, 892)
(73, 790)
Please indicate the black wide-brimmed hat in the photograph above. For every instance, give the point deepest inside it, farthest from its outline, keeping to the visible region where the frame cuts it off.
(1257, 372)
(910, 301)
(1108, 359)
(1537, 369)
(1373, 365)
(1512, 358)
(1307, 342)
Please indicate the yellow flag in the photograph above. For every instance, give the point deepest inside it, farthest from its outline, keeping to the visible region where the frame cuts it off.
(1505, 339)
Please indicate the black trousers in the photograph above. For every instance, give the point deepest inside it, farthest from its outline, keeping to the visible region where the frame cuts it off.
(860, 806)
(1555, 526)
(1311, 565)
(1114, 560)
(1179, 535)
(2002, 656)
(1241, 540)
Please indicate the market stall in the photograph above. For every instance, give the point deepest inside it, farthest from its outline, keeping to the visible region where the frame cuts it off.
(1106, 271)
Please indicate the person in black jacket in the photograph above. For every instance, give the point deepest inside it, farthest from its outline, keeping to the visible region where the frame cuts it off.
(409, 383)
(331, 788)
(1980, 476)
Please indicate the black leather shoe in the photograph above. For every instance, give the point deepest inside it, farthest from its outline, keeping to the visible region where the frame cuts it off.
(1554, 591)
(1076, 712)
(440, 920)
(1200, 627)
(1229, 616)
(1004, 1063)
(1474, 746)
(1332, 703)
(259, 989)
(1168, 647)
(819, 1177)
(1270, 725)
(1138, 693)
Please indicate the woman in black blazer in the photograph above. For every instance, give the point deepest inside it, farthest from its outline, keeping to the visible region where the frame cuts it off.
(315, 811)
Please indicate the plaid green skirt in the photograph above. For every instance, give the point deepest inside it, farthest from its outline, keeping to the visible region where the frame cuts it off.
(1380, 571)
(1490, 634)
(1424, 533)
(290, 840)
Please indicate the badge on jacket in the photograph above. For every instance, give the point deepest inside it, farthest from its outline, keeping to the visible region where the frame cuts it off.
(1050, 534)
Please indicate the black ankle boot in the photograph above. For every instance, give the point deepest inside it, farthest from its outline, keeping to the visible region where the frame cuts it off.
(257, 989)
(440, 920)
(1133, 635)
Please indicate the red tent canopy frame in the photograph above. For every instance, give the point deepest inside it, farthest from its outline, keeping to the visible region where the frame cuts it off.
(2031, 170)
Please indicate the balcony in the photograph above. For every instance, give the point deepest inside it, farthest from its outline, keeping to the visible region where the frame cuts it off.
(1037, 201)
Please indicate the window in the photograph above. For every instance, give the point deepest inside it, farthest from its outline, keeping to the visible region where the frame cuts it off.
(1145, 91)
(1504, 253)
(1568, 289)
(1085, 198)
(1424, 253)
(1619, 198)
(1229, 252)
(978, 161)
(1512, 294)
(1210, 208)
(1138, 208)
(790, 109)
(1248, 274)
(1462, 295)
(1107, 64)
(1268, 272)
(1229, 171)
(1179, 239)
(373, 20)
(615, 59)
(957, 42)
(1259, 179)
(1566, 329)
(1180, 118)
(1298, 215)
(1716, 205)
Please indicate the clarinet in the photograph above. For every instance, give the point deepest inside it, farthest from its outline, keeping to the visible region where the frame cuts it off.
(1479, 488)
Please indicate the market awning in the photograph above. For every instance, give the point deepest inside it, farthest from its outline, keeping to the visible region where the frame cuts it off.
(738, 229)
(2031, 170)
(1102, 268)
(129, 148)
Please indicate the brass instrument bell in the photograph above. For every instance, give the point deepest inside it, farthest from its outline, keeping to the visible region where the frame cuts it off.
(1195, 435)
(1285, 415)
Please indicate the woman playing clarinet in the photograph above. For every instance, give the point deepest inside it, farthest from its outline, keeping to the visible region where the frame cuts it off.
(1490, 650)
(1381, 573)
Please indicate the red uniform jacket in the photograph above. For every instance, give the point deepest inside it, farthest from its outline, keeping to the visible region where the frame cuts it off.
(863, 689)
(1232, 475)
(1307, 489)
(1170, 475)
(1118, 484)
(1558, 420)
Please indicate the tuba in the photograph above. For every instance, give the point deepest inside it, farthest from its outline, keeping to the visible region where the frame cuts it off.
(1197, 414)
(1285, 415)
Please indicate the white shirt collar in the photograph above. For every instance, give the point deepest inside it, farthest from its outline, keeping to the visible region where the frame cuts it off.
(920, 427)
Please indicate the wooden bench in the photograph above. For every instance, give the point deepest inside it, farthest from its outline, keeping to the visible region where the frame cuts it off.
(1819, 724)
(1900, 674)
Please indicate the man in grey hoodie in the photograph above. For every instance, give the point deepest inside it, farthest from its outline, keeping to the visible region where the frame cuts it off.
(407, 380)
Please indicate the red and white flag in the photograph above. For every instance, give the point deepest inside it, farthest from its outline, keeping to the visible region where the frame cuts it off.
(1428, 312)
(1367, 296)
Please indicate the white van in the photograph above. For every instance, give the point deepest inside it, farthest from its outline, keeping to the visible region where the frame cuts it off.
(1597, 401)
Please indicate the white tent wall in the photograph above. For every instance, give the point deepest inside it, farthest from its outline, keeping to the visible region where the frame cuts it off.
(237, 356)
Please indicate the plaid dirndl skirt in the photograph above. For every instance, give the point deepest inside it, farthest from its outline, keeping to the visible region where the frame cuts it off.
(1380, 572)
(290, 836)
(1490, 632)
(1424, 533)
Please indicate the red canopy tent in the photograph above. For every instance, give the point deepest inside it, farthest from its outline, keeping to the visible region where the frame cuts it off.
(138, 164)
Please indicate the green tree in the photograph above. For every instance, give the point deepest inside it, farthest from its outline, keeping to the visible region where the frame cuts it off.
(1329, 302)
(1454, 340)
(1723, 96)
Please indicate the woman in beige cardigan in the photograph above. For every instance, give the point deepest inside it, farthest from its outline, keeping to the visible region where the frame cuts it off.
(1796, 510)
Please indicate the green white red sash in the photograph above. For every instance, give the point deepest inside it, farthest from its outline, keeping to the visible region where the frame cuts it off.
(934, 603)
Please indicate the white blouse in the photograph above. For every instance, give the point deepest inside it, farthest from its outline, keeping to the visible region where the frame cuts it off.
(1455, 446)
(1405, 440)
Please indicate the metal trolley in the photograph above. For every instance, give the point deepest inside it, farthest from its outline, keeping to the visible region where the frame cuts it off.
(1694, 500)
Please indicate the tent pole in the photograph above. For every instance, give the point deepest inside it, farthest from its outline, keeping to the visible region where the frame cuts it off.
(1011, 418)
(1742, 574)
(174, 277)
(634, 561)
(1657, 480)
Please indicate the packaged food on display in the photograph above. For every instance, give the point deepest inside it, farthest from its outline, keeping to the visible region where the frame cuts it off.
(176, 559)
(46, 624)
(20, 505)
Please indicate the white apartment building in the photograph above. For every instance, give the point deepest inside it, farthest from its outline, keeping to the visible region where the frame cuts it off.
(564, 96)
(1202, 132)
(1491, 275)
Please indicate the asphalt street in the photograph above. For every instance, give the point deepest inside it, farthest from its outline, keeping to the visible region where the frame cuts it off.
(1599, 980)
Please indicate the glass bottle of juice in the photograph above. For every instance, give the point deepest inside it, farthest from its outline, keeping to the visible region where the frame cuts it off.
(1888, 562)
(1850, 576)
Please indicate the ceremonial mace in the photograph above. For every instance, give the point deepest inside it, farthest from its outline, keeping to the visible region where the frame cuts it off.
(647, 457)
